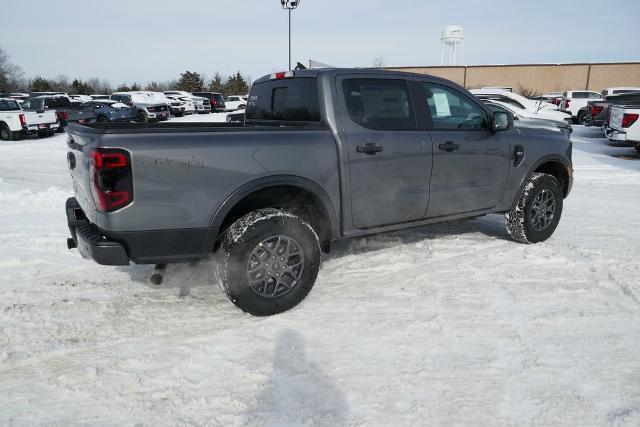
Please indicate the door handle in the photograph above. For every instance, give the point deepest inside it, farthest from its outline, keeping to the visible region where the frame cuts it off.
(449, 146)
(369, 148)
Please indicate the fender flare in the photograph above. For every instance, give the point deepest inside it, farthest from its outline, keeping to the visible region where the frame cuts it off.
(265, 182)
(546, 159)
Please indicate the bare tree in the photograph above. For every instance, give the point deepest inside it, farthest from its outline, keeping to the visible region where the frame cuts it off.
(528, 92)
(11, 75)
(379, 62)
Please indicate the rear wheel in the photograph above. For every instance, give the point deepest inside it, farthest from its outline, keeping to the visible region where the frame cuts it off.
(102, 119)
(581, 116)
(536, 216)
(269, 260)
(637, 147)
(43, 133)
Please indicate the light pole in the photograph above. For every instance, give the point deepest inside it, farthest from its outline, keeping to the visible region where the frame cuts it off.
(290, 5)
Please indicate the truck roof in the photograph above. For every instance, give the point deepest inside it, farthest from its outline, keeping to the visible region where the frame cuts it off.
(316, 72)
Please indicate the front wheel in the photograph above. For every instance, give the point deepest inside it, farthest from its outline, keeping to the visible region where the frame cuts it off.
(7, 134)
(581, 117)
(142, 117)
(269, 260)
(536, 216)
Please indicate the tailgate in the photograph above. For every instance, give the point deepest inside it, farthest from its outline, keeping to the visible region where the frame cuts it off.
(78, 161)
(33, 118)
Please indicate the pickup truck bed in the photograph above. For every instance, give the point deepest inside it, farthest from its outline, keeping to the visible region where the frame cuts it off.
(322, 155)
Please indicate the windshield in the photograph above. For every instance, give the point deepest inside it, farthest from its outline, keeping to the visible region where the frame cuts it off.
(9, 105)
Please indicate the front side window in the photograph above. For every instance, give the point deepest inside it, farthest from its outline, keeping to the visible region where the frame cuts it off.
(451, 110)
(379, 104)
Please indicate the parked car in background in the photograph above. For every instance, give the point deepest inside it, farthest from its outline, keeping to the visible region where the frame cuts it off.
(539, 108)
(624, 125)
(508, 89)
(16, 123)
(350, 160)
(107, 110)
(65, 111)
(599, 111)
(143, 107)
(99, 96)
(18, 96)
(528, 119)
(175, 107)
(201, 105)
(553, 98)
(185, 102)
(80, 99)
(235, 102)
(216, 100)
(574, 102)
(619, 91)
(236, 116)
(34, 94)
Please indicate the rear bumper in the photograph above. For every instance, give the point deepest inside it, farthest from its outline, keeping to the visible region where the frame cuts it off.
(91, 243)
(140, 247)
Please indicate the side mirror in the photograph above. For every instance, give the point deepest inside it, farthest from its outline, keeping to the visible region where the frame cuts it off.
(502, 121)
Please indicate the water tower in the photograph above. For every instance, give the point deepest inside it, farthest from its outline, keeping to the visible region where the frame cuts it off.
(452, 39)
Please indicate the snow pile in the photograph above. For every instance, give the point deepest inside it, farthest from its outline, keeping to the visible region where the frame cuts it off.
(448, 324)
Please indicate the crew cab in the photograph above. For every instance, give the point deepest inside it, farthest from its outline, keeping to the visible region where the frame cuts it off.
(323, 155)
(16, 123)
(574, 102)
(624, 125)
(64, 110)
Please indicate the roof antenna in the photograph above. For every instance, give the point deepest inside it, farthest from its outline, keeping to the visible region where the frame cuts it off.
(300, 66)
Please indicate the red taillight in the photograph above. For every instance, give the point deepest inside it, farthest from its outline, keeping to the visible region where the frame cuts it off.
(280, 75)
(62, 115)
(23, 120)
(111, 184)
(629, 119)
(596, 109)
(213, 101)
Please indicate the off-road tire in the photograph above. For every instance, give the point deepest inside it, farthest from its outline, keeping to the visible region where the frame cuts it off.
(519, 219)
(240, 241)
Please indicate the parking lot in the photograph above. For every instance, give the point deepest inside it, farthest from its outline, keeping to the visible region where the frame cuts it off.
(434, 325)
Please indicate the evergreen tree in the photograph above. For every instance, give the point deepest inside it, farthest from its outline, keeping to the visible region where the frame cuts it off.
(216, 84)
(190, 82)
(135, 87)
(236, 85)
(40, 84)
(123, 88)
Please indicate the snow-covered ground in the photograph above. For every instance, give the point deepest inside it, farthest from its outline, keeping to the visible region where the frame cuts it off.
(448, 324)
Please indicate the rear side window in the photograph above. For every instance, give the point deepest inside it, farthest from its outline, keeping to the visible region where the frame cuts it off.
(379, 104)
(293, 100)
(59, 102)
(580, 95)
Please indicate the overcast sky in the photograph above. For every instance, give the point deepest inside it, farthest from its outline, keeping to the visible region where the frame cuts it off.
(144, 40)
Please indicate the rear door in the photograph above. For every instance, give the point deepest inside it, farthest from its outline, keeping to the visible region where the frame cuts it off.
(389, 157)
(470, 162)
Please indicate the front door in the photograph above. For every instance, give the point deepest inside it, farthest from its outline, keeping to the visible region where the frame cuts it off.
(470, 161)
(389, 158)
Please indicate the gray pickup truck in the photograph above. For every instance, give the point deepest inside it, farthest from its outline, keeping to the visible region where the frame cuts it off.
(322, 155)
